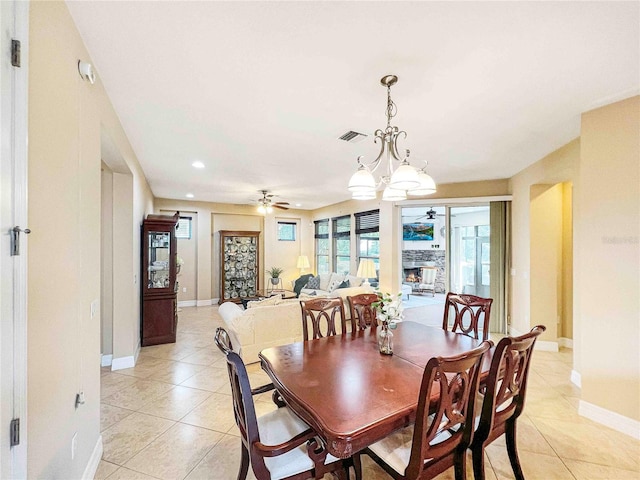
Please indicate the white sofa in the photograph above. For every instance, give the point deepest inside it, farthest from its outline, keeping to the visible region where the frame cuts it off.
(329, 280)
(260, 327)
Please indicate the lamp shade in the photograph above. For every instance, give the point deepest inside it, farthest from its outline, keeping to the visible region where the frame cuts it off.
(404, 178)
(364, 195)
(393, 195)
(303, 262)
(362, 180)
(367, 268)
(427, 185)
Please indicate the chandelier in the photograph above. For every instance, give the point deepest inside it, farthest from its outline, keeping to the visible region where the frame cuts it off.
(405, 179)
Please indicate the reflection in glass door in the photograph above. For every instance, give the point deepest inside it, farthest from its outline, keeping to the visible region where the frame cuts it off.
(471, 250)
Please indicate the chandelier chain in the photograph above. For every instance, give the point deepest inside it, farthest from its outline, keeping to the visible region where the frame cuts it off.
(391, 107)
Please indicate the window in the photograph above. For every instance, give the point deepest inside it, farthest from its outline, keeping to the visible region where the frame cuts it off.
(287, 231)
(183, 228)
(342, 244)
(322, 246)
(368, 236)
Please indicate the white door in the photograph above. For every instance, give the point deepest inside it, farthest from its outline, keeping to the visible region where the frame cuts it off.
(13, 181)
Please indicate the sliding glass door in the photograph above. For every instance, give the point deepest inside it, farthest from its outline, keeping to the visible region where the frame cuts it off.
(470, 256)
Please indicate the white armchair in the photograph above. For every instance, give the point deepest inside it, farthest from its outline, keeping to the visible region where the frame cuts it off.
(428, 280)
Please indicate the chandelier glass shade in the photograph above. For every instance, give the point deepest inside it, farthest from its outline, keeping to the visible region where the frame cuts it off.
(405, 179)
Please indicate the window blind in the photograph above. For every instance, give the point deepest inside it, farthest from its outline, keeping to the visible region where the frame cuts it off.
(342, 226)
(367, 222)
(322, 228)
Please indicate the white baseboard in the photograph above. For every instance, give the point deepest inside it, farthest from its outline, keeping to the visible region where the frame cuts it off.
(576, 378)
(123, 362)
(92, 466)
(187, 303)
(106, 360)
(546, 346)
(204, 303)
(565, 342)
(614, 420)
(215, 301)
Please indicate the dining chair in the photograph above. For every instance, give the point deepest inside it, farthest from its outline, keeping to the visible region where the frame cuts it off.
(504, 394)
(444, 422)
(277, 445)
(321, 311)
(469, 312)
(361, 312)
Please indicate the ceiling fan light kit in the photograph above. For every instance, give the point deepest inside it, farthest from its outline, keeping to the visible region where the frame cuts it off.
(266, 204)
(405, 179)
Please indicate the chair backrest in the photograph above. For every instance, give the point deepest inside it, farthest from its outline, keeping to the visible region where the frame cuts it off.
(469, 314)
(317, 310)
(362, 314)
(428, 275)
(447, 426)
(506, 385)
(243, 406)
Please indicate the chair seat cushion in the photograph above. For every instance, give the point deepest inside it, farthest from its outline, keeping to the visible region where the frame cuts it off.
(395, 449)
(278, 427)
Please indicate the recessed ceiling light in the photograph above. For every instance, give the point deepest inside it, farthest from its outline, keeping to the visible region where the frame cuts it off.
(197, 165)
(189, 195)
(298, 204)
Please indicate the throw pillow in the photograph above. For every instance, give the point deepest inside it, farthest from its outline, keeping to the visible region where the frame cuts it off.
(313, 283)
(334, 284)
(344, 284)
(301, 282)
(266, 302)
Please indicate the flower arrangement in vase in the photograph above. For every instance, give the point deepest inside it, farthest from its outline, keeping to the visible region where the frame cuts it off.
(389, 310)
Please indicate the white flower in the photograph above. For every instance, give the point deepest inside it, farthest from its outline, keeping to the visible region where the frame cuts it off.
(389, 307)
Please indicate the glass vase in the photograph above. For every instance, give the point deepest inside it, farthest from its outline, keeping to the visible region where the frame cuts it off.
(385, 339)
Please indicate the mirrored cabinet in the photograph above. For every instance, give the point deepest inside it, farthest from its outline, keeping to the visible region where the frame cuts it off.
(158, 278)
(239, 263)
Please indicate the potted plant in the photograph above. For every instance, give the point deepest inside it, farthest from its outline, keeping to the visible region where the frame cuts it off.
(275, 273)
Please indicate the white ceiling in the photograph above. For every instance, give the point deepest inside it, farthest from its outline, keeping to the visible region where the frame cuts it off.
(260, 92)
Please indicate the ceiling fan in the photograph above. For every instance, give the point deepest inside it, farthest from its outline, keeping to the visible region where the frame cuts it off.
(430, 214)
(266, 203)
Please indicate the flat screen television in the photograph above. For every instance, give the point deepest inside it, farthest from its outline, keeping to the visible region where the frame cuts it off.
(417, 231)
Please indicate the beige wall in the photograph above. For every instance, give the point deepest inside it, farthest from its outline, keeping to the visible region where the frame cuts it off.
(66, 116)
(545, 289)
(607, 257)
(566, 313)
(486, 188)
(106, 259)
(557, 167)
(187, 251)
(213, 217)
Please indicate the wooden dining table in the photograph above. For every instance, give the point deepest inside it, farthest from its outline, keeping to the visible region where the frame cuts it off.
(351, 394)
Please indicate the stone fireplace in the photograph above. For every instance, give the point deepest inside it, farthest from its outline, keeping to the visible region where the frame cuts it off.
(414, 260)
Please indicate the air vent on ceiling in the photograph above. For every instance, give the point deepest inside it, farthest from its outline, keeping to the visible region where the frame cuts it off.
(352, 137)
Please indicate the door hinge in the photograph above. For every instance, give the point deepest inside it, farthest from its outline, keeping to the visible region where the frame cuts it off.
(15, 52)
(14, 432)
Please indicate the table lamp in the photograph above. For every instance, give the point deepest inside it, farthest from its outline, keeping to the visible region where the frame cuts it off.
(366, 270)
(303, 263)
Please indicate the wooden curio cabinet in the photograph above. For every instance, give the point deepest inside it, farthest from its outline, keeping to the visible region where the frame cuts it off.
(239, 264)
(159, 317)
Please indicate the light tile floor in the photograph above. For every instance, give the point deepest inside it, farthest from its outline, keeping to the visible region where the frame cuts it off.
(170, 417)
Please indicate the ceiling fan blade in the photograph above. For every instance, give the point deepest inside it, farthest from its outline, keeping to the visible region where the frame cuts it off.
(281, 203)
(280, 207)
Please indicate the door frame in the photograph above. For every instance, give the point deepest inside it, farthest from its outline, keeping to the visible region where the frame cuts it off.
(14, 20)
